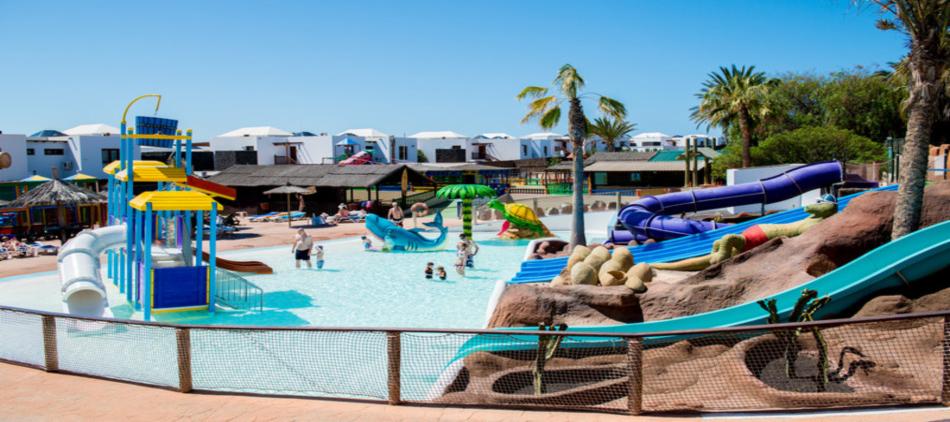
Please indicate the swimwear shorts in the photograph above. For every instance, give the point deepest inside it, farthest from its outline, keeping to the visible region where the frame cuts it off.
(303, 255)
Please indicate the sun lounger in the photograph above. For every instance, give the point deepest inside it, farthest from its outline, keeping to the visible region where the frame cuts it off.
(262, 217)
(318, 221)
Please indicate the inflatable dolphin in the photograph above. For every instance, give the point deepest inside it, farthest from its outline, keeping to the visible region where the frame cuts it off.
(400, 239)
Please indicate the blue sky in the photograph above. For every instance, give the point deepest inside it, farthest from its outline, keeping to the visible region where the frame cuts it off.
(400, 66)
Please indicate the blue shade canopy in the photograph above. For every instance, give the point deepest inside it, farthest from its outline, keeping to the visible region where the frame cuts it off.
(47, 133)
(348, 141)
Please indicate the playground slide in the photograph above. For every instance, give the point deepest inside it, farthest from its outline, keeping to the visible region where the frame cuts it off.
(649, 216)
(255, 267)
(543, 270)
(893, 265)
(78, 260)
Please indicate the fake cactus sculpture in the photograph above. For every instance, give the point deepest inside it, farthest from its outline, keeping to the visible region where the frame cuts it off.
(804, 311)
(547, 346)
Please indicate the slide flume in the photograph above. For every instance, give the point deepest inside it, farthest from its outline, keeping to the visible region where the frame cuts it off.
(892, 265)
(78, 260)
(650, 216)
(255, 267)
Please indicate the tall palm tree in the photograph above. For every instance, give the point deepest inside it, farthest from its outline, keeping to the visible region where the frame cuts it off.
(734, 96)
(925, 22)
(610, 130)
(545, 107)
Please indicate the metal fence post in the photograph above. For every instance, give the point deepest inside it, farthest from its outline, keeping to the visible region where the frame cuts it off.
(50, 352)
(183, 339)
(393, 351)
(945, 392)
(635, 369)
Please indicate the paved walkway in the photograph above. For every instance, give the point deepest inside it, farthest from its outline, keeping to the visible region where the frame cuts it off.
(33, 395)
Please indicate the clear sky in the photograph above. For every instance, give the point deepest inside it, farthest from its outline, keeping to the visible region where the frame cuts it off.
(400, 66)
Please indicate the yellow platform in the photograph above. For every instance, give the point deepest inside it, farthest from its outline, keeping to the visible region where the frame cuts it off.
(112, 167)
(155, 174)
(174, 201)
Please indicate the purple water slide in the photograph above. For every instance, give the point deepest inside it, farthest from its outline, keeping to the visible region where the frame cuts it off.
(649, 217)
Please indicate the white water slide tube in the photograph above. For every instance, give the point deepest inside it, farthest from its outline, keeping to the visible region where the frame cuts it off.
(83, 291)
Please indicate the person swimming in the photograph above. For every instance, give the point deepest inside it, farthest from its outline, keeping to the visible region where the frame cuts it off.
(367, 242)
(428, 271)
(460, 266)
(442, 274)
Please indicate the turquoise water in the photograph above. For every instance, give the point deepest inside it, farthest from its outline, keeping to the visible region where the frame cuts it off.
(358, 288)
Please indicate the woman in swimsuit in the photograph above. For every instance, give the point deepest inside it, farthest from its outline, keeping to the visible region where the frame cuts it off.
(396, 215)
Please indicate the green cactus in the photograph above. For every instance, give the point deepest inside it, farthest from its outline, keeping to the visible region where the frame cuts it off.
(547, 346)
(804, 311)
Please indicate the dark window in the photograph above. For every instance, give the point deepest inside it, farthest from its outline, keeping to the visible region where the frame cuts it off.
(524, 150)
(545, 151)
(30, 151)
(54, 151)
(109, 155)
(248, 148)
(403, 152)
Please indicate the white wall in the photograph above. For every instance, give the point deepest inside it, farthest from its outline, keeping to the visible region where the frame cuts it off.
(42, 164)
(87, 153)
(753, 174)
(15, 145)
(232, 143)
(428, 146)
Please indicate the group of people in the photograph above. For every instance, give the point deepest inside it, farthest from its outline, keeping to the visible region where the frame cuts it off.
(11, 247)
(303, 247)
(466, 249)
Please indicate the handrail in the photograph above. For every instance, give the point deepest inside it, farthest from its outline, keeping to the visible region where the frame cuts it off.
(506, 331)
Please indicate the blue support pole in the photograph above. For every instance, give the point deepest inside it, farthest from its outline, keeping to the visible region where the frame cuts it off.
(147, 283)
(178, 150)
(188, 153)
(186, 228)
(199, 236)
(140, 227)
(130, 224)
(212, 258)
(120, 265)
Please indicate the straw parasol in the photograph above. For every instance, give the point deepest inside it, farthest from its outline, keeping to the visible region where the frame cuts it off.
(289, 189)
(55, 192)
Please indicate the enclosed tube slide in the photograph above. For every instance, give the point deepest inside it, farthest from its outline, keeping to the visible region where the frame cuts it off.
(83, 291)
(649, 217)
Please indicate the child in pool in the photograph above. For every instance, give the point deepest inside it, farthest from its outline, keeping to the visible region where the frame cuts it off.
(460, 266)
(442, 273)
(428, 271)
(319, 255)
(367, 243)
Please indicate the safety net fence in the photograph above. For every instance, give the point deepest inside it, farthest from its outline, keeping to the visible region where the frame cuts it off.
(890, 360)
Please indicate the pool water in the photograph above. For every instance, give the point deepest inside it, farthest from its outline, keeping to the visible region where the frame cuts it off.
(358, 288)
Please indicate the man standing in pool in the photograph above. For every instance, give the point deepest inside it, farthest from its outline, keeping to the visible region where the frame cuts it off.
(301, 249)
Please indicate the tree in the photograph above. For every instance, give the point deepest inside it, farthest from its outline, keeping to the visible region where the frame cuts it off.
(734, 97)
(925, 22)
(545, 107)
(865, 103)
(813, 144)
(610, 130)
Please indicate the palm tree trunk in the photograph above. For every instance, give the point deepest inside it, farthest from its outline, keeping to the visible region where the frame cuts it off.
(577, 128)
(610, 145)
(744, 127)
(467, 217)
(925, 89)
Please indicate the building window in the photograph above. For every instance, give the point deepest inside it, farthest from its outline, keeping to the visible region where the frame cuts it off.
(524, 150)
(30, 151)
(600, 178)
(635, 176)
(403, 152)
(249, 148)
(54, 151)
(545, 151)
(109, 155)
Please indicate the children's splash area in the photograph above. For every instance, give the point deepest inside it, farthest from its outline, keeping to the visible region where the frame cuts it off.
(672, 303)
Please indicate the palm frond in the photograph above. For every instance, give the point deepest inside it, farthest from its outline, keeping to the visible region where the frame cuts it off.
(550, 118)
(465, 191)
(612, 107)
(569, 81)
(532, 92)
(538, 107)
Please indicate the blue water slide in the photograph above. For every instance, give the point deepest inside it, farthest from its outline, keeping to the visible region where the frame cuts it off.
(543, 270)
(897, 264)
(649, 217)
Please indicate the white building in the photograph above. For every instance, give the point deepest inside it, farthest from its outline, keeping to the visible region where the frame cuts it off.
(450, 147)
(651, 141)
(15, 145)
(704, 140)
(86, 149)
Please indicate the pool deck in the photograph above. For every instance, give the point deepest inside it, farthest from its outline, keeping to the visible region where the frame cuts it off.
(32, 394)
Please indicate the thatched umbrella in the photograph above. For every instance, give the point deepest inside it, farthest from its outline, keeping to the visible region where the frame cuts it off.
(289, 189)
(55, 192)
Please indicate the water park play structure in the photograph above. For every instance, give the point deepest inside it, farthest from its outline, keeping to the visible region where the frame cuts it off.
(399, 239)
(168, 277)
(520, 221)
(650, 217)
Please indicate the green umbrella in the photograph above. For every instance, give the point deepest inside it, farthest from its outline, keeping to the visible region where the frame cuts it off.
(466, 192)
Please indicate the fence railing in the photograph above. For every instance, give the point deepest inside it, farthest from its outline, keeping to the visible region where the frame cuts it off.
(890, 360)
(237, 292)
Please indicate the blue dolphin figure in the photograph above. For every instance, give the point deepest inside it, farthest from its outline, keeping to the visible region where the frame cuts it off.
(400, 239)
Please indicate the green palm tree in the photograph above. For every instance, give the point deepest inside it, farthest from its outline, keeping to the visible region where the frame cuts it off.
(734, 96)
(466, 192)
(925, 22)
(610, 130)
(545, 107)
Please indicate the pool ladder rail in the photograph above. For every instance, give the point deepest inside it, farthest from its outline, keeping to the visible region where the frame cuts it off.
(236, 292)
